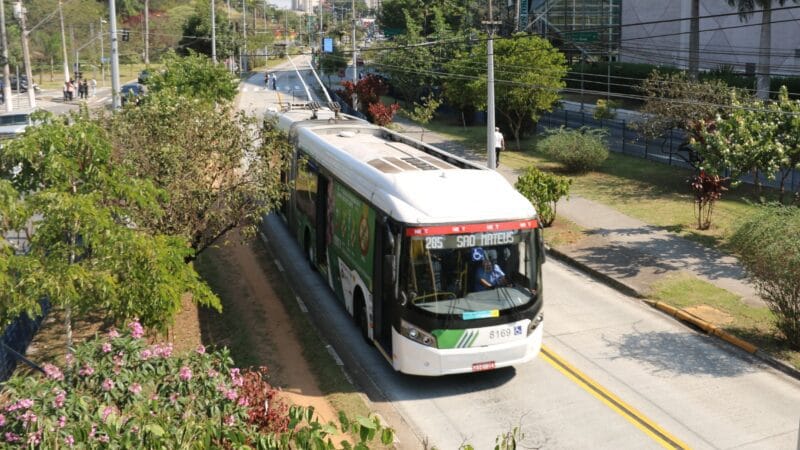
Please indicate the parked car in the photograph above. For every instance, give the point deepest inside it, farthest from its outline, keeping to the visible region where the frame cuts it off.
(132, 92)
(13, 124)
(21, 85)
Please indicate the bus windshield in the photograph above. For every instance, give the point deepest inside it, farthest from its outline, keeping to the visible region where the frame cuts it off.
(471, 275)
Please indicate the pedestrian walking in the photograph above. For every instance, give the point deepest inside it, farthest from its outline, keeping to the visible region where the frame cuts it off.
(71, 89)
(85, 89)
(274, 82)
(499, 145)
(93, 85)
(66, 91)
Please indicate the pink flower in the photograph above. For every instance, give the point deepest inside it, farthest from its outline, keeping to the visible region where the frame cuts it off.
(154, 397)
(62, 421)
(2, 420)
(146, 354)
(25, 403)
(212, 373)
(69, 358)
(136, 328)
(53, 372)
(173, 397)
(231, 394)
(29, 416)
(86, 370)
(94, 430)
(108, 384)
(107, 411)
(61, 396)
(113, 333)
(135, 388)
(35, 438)
(104, 438)
(106, 347)
(201, 349)
(186, 373)
(230, 420)
(236, 379)
(243, 401)
(11, 437)
(69, 440)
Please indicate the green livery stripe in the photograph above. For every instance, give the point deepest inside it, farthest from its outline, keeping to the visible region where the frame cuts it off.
(448, 338)
(455, 338)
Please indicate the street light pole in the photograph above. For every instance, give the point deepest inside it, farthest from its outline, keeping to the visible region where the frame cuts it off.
(26, 54)
(64, 43)
(147, 32)
(112, 18)
(102, 54)
(6, 72)
(213, 32)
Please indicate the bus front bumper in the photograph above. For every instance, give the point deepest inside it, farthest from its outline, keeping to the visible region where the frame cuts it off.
(416, 359)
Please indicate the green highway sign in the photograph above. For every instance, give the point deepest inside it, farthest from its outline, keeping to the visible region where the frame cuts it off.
(582, 36)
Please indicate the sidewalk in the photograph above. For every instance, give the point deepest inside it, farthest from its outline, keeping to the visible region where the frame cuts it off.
(631, 255)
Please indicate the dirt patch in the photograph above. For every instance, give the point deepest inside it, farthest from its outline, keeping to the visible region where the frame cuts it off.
(710, 314)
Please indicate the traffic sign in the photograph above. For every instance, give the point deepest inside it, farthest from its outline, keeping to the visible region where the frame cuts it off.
(582, 36)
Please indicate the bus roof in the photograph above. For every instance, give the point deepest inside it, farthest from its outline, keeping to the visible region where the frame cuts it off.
(410, 181)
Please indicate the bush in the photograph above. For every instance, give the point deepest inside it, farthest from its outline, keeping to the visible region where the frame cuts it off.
(605, 109)
(768, 243)
(578, 150)
(543, 190)
(120, 392)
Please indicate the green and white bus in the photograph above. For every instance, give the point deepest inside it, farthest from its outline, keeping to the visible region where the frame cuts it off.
(400, 229)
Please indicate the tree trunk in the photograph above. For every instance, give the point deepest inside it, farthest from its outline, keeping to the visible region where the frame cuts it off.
(765, 46)
(694, 40)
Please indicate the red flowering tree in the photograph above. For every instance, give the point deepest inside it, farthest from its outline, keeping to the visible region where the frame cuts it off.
(382, 114)
(369, 91)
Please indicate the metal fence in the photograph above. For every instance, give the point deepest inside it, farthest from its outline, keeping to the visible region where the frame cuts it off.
(16, 338)
(665, 149)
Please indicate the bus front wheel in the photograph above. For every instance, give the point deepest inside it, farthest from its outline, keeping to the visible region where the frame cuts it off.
(361, 316)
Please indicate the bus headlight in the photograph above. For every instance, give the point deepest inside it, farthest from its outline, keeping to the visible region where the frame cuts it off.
(417, 335)
(535, 323)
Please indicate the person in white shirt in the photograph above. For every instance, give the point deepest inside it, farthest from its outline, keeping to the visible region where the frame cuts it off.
(499, 145)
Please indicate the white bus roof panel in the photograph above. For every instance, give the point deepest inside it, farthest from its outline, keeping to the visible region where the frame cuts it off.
(411, 185)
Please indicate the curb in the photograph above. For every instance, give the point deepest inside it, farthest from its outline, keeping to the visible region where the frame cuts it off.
(678, 314)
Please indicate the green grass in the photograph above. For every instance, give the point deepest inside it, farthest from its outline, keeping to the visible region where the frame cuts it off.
(753, 324)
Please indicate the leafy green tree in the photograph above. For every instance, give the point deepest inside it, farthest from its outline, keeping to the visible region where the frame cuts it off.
(677, 102)
(543, 190)
(221, 169)
(194, 76)
(529, 73)
(197, 31)
(86, 253)
(768, 243)
(743, 141)
(408, 64)
(423, 113)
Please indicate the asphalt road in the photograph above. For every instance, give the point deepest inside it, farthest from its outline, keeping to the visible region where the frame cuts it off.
(614, 373)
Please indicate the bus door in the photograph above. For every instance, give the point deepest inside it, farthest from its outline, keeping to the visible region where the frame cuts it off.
(323, 222)
(384, 279)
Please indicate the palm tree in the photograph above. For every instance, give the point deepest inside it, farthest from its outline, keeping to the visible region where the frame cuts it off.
(746, 9)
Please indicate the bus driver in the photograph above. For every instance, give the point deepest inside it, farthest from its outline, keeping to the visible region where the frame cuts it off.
(489, 275)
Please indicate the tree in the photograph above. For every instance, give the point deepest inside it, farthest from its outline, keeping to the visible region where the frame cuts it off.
(529, 74)
(676, 102)
(194, 76)
(543, 190)
(407, 63)
(197, 31)
(746, 9)
(423, 113)
(86, 253)
(221, 169)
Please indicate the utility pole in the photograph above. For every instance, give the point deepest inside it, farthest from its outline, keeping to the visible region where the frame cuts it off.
(64, 42)
(146, 32)
(26, 54)
(6, 71)
(608, 69)
(243, 65)
(490, 140)
(213, 32)
(112, 20)
(102, 53)
(355, 59)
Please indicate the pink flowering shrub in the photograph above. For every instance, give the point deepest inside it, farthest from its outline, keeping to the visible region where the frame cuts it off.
(123, 393)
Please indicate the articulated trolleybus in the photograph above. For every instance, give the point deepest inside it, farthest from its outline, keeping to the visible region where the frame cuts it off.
(436, 258)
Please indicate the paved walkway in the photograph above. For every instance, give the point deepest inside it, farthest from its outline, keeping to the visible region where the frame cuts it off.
(629, 252)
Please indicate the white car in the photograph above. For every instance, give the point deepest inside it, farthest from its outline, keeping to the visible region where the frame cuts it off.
(13, 124)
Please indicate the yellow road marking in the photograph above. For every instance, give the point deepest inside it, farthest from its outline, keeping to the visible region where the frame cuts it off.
(633, 416)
